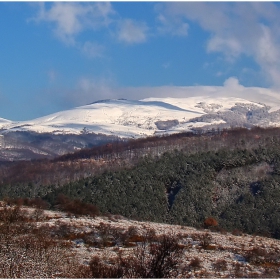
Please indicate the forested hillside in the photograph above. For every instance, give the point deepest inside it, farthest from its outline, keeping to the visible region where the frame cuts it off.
(232, 176)
(239, 188)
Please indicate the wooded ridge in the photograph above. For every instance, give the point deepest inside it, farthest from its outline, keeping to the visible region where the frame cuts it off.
(231, 175)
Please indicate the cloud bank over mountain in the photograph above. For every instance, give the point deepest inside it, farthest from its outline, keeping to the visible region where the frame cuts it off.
(89, 90)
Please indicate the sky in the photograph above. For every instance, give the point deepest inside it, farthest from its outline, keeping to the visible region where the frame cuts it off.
(58, 55)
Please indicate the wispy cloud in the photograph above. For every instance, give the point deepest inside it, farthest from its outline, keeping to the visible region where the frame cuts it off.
(131, 31)
(171, 26)
(70, 18)
(52, 75)
(166, 65)
(92, 50)
(89, 90)
(236, 29)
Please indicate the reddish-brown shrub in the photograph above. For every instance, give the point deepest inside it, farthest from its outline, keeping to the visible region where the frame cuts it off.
(12, 214)
(76, 206)
(36, 202)
(130, 244)
(210, 222)
(237, 232)
(136, 238)
(27, 251)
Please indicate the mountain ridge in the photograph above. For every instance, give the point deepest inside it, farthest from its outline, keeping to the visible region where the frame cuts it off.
(110, 120)
(138, 118)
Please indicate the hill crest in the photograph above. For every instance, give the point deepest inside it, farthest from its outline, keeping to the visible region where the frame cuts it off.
(151, 116)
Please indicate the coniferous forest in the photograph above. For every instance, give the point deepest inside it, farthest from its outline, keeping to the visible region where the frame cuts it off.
(232, 176)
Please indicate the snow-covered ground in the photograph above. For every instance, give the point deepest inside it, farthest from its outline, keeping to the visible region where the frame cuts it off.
(131, 118)
(222, 246)
(4, 122)
(205, 254)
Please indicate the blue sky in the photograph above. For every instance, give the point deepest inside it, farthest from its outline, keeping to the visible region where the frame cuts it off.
(58, 55)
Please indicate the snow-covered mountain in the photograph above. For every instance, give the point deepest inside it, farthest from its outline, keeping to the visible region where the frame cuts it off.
(4, 122)
(105, 121)
(140, 118)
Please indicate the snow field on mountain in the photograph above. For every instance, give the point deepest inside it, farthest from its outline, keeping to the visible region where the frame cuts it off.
(130, 118)
(4, 122)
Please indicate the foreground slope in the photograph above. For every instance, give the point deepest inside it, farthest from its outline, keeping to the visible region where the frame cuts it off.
(48, 244)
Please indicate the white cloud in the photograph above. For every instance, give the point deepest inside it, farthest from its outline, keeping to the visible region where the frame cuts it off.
(268, 55)
(250, 28)
(71, 18)
(229, 46)
(232, 83)
(92, 89)
(89, 90)
(267, 50)
(209, 15)
(131, 31)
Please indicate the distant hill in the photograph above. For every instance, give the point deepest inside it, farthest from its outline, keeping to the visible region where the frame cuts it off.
(112, 120)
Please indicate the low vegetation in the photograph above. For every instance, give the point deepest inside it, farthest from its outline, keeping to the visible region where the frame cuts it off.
(58, 245)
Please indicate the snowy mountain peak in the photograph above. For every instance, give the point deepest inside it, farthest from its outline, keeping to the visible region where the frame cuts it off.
(4, 120)
(109, 101)
(149, 116)
(4, 123)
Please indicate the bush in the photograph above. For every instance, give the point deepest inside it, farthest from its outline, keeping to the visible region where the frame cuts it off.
(36, 202)
(136, 238)
(76, 206)
(260, 256)
(210, 222)
(237, 232)
(205, 240)
(160, 259)
(12, 214)
(30, 252)
(195, 263)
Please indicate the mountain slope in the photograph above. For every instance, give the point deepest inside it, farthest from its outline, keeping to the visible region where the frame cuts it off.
(4, 122)
(109, 120)
(138, 118)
